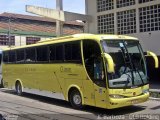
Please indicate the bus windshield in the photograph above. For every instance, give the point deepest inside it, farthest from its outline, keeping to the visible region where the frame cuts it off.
(129, 61)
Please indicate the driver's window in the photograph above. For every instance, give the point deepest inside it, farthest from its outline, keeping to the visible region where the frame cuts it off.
(98, 68)
(93, 60)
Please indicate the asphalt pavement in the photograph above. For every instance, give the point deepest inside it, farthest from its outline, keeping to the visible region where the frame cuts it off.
(33, 107)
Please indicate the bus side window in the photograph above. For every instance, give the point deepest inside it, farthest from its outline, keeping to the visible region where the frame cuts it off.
(98, 68)
(76, 51)
(20, 56)
(59, 52)
(52, 53)
(30, 55)
(5, 56)
(12, 56)
(56, 53)
(73, 52)
(42, 54)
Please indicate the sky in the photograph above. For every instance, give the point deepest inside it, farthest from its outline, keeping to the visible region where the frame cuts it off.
(18, 6)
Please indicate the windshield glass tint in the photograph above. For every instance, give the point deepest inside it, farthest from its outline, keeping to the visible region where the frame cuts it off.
(130, 67)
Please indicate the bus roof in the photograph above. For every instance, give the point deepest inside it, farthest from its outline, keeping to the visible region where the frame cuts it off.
(90, 36)
(75, 37)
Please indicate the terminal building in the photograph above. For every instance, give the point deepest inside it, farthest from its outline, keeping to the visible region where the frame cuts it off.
(138, 18)
(26, 29)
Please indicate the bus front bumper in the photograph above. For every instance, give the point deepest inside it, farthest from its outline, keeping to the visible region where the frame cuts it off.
(122, 102)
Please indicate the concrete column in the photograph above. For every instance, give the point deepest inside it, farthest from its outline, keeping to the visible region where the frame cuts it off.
(115, 17)
(86, 24)
(137, 17)
(23, 40)
(86, 27)
(17, 40)
(59, 24)
(20, 40)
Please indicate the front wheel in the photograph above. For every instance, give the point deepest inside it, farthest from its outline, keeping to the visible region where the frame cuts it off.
(75, 99)
(18, 88)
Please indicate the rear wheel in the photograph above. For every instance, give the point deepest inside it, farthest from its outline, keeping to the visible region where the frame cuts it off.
(75, 99)
(18, 88)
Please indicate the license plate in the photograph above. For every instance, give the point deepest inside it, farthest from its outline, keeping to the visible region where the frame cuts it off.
(134, 101)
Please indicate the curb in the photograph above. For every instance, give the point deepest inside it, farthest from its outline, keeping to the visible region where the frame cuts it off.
(154, 94)
(152, 98)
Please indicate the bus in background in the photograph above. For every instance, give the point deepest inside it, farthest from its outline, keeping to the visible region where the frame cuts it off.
(106, 71)
(1, 81)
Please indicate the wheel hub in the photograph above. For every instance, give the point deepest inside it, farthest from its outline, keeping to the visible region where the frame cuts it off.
(77, 99)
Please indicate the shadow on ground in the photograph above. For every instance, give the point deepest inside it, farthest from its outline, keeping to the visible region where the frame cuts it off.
(94, 110)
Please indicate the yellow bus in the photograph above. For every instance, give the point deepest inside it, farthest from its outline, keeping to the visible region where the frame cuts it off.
(106, 71)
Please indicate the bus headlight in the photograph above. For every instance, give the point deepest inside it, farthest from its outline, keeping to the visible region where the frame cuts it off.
(116, 96)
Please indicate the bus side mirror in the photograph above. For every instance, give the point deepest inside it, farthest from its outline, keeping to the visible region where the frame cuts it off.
(110, 63)
(149, 53)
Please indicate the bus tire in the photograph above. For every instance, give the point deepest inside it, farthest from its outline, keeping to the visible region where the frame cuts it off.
(75, 99)
(18, 88)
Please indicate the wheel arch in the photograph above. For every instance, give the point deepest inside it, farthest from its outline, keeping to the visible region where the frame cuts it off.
(73, 87)
(19, 81)
(1, 82)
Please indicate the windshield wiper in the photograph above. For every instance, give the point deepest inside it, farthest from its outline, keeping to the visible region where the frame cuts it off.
(136, 70)
(133, 66)
(130, 61)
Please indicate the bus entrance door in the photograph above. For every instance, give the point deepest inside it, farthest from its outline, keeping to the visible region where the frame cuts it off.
(89, 94)
(95, 87)
(99, 83)
(100, 96)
